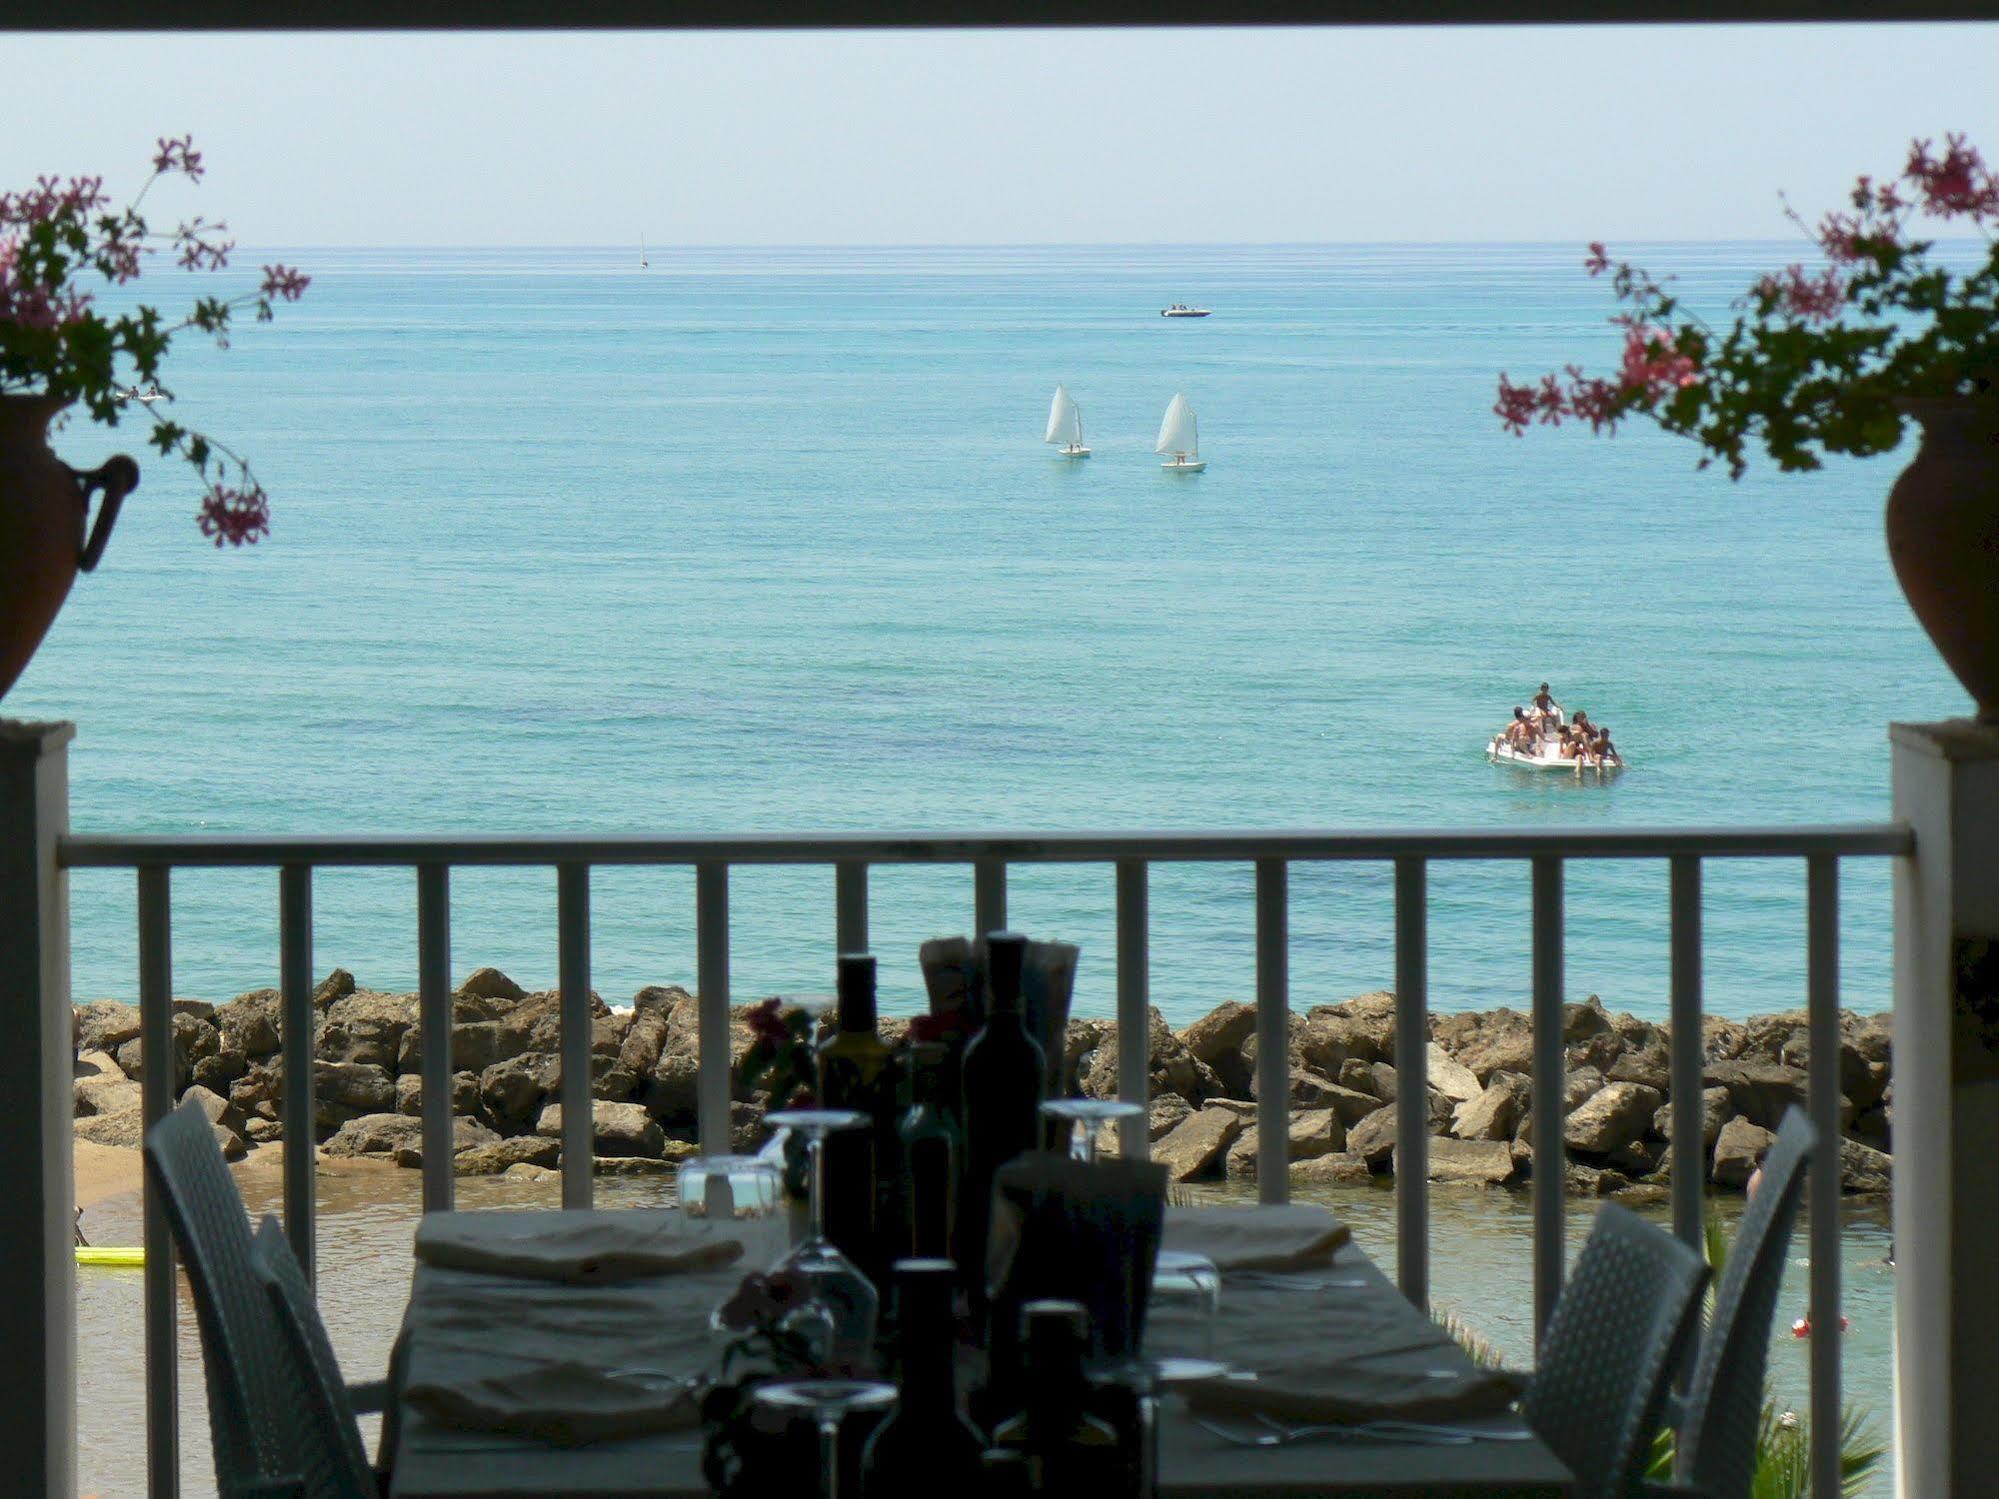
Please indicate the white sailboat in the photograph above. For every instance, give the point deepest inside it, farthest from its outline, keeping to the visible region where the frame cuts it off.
(1180, 435)
(643, 262)
(1065, 425)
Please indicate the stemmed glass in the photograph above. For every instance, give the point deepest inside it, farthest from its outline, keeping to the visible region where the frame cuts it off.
(1084, 1116)
(828, 1400)
(837, 1297)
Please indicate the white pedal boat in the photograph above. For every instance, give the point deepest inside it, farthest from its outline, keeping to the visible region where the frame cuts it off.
(1546, 754)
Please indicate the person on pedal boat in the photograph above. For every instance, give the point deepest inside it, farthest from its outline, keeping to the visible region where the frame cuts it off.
(1606, 752)
(1521, 733)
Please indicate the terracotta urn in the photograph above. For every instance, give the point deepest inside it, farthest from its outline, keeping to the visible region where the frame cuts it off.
(1943, 538)
(44, 508)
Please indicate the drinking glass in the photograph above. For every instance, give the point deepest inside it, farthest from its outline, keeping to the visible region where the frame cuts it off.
(1084, 1116)
(827, 1401)
(741, 1194)
(1180, 1313)
(840, 1304)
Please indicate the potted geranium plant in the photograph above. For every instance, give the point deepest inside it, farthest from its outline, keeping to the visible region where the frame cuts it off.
(1834, 358)
(61, 242)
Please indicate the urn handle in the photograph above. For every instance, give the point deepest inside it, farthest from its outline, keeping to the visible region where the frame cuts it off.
(113, 479)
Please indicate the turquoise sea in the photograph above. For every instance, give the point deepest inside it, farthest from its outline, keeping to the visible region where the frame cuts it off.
(766, 540)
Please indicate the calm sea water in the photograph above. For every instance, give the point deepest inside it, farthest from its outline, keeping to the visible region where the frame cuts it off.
(766, 540)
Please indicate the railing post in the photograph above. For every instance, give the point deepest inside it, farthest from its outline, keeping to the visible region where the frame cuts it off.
(1550, 1089)
(297, 1107)
(162, 1285)
(38, 1313)
(1412, 1042)
(1946, 787)
(1273, 1031)
(579, 1109)
(1134, 982)
(434, 1029)
(711, 978)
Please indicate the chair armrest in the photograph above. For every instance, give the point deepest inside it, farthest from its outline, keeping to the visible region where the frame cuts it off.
(370, 1395)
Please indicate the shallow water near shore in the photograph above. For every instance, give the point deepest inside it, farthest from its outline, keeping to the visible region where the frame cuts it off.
(1481, 1261)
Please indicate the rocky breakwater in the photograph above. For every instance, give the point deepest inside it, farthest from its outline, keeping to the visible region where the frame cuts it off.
(367, 1050)
(1339, 1099)
(1342, 1085)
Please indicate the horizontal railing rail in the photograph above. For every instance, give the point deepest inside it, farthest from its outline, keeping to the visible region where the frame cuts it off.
(1131, 855)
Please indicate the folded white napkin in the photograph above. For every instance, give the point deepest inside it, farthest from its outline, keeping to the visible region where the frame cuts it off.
(560, 1400)
(1293, 1236)
(580, 1248)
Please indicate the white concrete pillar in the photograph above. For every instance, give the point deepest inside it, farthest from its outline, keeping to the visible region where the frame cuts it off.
(37, 1184)
(1946, 1109)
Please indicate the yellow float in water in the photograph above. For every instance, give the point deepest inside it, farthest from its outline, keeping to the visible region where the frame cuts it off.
(128, 1258)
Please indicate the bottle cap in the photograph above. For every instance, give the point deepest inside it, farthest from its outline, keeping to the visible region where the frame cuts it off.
(1054, 1322)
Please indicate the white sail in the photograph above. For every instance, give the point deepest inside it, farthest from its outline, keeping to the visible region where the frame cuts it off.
(1065, 422)
(1178, 433)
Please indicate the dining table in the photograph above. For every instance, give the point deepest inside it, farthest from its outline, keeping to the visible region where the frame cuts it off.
(474, 1327)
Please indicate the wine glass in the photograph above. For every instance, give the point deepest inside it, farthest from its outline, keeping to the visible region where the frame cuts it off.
(840, 1304)
(827, 1401)
(1181, 1310)
(1084, 1116)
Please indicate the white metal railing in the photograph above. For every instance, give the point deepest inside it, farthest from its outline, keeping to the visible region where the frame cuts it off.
(1131, 856)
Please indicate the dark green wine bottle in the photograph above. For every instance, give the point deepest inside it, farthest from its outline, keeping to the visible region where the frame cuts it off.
(932, 1154)
(855, 1073)
(926, 1446)
(1001, 1079)
(1069, 1451)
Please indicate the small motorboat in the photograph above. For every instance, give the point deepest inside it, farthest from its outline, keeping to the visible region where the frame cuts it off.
(144, 397)
(1181, 309)
(1544, 750)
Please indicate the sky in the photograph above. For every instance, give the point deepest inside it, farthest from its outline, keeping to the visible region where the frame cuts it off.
(1251, 136)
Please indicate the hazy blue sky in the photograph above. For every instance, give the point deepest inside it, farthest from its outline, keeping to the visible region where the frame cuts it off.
(1421, 134)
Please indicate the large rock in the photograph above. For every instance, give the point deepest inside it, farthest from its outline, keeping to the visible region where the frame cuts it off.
(97, 1064)
(1722, 1039)
(335, 986)
(217, 1072)
(1716, 1110)
(1501, 1041)
(1217, 1039)
(496, 1156)
(343, 1091)
(672, 1092)
(258, 1092)
(511, 1093)
(104, 1094)
(219, 1110)
(1864, 1169)
(398, 1135)
(105, 1025)
(617, 1129)
(645, 1035)
(1341, 1168)
(1611, 1118)
(127, 1130)
(1304, 1089)
(1172, 1067)
(1739, 1151)
(1581, 1084)
(193, 1039)
(1647, 1057)
(1478, 1162)
(1759, 1091)
(1373, 1138)
(490, 983)
(1590, 1036)
(464, 1094)
(1375, 1079)
(1164, 1112)
(1195, 1146)
(1451, 1077)
(1368, 1032)
(1315, 1132)
(249, 1023)
(365, 1027)
(1494, 1113)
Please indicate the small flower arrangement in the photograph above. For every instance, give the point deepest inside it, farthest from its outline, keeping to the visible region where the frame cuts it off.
(780, 1058)
(56, 342)
(1818, 359)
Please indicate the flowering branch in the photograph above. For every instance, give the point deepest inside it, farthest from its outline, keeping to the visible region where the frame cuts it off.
(55, 341)
(1817, 358)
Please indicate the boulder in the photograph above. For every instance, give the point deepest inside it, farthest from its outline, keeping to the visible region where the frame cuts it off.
(366, 1027)
(1316, 1132)
(97, 1064)
(1501, 1041)
(1165, 1111)
(197, 1009)
(1590, 1037)
(126, 1128)
(261, 1131)
(1722, 1040)
(343, 1091)
(1451, 1077)
(1305, 1090)
(1595, 1181)
(672, 1092)
(1245, 1107)
(1738, 1151)
(1373, 1138)
(1477, 1162)
(1579, 1086)
(1611, 1118)
(336, 985)
(1638, 1158)
(464, 1093)
(1194, 1147)
(1216, 1039)
(1341, 1168)
(490, 983)
(1375, 1079)
(257, 1092)
(1172, 1067)
(193, 1039)
(630, 1165)
(645, 1036)
(511, 1092)
(219, 1110)
(104, 1094)
(106, 1025)
(496, 1156)
(523, 1172)
(1326, 1040)
(1864, 1169)
(748, 1133)
(399, 1137)
(1493, 1114)
(1715, 1112)
(249, 1023)
(217, 1072)
(1758, 1091)
(617, 1129)
(1647, 1058)
(1239, 1165)
(1370, 1030)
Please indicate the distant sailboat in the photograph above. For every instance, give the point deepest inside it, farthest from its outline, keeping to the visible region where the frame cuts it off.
(643, 262)
(1065, 425)
(1180, 435)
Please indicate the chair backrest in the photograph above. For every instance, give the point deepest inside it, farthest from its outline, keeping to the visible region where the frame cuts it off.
(1619, 1329)
(322, 1438)
(1716, 1450)
(240, 1353)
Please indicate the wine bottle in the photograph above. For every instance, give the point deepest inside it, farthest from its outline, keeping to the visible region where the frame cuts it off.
(926, 1446)
(855, 1073)
(1001, 1079)
(932, 1152)
(1068, 1450)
